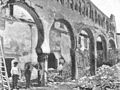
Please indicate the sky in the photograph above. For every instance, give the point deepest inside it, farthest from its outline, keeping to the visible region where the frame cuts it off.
(110, 7)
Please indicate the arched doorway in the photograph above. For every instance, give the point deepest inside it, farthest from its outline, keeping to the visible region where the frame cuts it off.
(37, 22)
(62, 44)
(101, 50)
(112, 52)
(85, 45)
(24, 33)
(25, 14)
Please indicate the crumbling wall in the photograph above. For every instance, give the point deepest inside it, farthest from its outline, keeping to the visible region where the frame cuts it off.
(48, 11)
(60, 42)
(20, 38)
(83, 63)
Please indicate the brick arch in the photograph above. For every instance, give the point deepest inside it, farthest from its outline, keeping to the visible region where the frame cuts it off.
(72, 39)
(92, 49)
(38, 23)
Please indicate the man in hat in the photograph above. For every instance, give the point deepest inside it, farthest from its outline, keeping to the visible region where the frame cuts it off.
(15, 75)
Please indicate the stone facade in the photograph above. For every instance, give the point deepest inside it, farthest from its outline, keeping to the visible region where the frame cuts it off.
(74, 29)
(118, 40)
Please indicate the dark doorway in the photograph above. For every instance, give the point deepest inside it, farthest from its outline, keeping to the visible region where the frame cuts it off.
(87, 48)
(101, 51)
(99, 46)
(8, 65)
(52, 61)
(99, 54)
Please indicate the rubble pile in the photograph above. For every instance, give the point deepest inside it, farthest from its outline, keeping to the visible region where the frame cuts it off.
(52, 74)
(86, 82)
(106, 77)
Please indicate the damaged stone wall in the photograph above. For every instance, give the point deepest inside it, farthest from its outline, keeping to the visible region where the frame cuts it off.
(22, 41)
(83, 63)
(60, 42)
(112, 56)
(65, 47)
(20, 37)
(55, 38)
(48, 11)
(58, 39)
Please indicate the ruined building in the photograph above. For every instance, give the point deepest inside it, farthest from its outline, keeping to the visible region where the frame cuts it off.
(75, 30)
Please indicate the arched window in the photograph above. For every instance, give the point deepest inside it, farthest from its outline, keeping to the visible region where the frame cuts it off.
(87, 11)
(80, 7)
(92, 14)
(96, 17)
(102, 21)
(107, 25)
(99, 19)
(76, 6)
(83, 7)
(72, 4)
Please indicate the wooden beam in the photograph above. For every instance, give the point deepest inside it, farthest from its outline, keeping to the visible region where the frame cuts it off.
(13, 19)
(61, 31)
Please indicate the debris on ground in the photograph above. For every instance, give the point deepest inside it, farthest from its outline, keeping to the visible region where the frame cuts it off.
(106, 77)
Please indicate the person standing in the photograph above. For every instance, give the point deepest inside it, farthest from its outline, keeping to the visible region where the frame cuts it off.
(15, 75)
(27, 75)
(61, 64)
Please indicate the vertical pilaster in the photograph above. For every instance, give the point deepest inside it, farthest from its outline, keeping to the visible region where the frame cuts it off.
(46, 69)
(73, 63)
(76, 65)
(95, 53)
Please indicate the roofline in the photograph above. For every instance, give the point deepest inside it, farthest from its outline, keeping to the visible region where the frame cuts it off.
(98, 9)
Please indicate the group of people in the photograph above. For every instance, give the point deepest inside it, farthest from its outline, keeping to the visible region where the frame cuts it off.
(15, 72)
